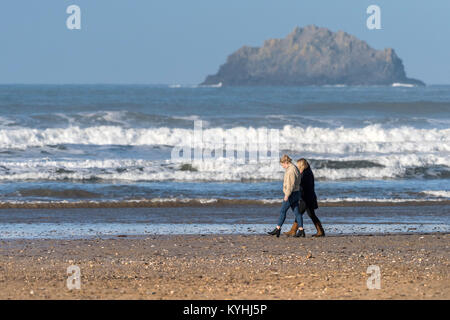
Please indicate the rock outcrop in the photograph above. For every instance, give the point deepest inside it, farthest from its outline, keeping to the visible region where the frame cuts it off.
(312, 56)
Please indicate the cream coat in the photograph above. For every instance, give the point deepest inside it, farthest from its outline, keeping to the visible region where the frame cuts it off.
(291, 180)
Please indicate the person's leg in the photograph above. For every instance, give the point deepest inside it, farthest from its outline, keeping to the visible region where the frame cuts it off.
(317, 224)
(294, 227)
(298, 215)
(284, 208)
(312, 215)
(300, 232)
(302, 207)
(294, 201)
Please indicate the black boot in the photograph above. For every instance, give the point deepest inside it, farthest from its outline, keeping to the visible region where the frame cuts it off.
(275, 232)
(300, 233)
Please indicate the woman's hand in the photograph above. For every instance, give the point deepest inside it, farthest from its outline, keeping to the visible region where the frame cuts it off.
(285, 198)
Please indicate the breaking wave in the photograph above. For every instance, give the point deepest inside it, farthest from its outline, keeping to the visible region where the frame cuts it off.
(372, 138)
(222, 169)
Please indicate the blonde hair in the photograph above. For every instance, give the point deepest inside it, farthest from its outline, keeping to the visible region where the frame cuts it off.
(285, 159)
(302, 164)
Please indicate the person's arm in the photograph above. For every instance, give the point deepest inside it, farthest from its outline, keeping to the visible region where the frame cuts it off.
(309, 182)
(289, 183)
(300, 177)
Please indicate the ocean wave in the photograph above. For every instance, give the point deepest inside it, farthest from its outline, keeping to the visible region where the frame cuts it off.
(403, 85)
(123, 119)
(415, 117)
(223, 169)
(372, 138)
(438, 193)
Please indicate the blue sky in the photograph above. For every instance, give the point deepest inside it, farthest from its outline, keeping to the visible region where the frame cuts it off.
(182, 41)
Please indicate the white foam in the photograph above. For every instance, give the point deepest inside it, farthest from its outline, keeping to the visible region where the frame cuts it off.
(405, 85)
(178, 85)
(176, 200)
(360, 199)
(374, 200)
(216, 85)
(372, 138)
(438, 193)
(334, 86)
(221, 169)
(395, 150)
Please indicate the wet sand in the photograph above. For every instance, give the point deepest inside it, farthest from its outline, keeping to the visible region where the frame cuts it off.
(228, 267)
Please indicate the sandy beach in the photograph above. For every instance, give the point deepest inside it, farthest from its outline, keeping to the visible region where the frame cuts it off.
(413, 266)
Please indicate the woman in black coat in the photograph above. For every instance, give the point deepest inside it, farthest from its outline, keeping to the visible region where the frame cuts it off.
(308, 200)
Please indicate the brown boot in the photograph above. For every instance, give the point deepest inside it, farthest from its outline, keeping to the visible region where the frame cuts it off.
(320, 231)
(293, 230)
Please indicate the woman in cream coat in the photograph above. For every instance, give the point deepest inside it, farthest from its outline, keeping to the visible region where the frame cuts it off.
(291, 190)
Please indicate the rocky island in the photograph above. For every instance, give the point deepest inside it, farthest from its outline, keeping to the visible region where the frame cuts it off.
(312, 56)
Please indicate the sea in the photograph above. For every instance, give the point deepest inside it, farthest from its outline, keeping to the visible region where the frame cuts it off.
(104, 160)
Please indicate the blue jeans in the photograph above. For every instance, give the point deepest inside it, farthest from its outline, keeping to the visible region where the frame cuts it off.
(293, 203)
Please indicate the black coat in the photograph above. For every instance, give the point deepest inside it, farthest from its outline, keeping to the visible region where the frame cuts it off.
(307, 188)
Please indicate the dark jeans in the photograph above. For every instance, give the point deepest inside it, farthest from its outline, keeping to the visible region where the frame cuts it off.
(303, 207)
(293, 203)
